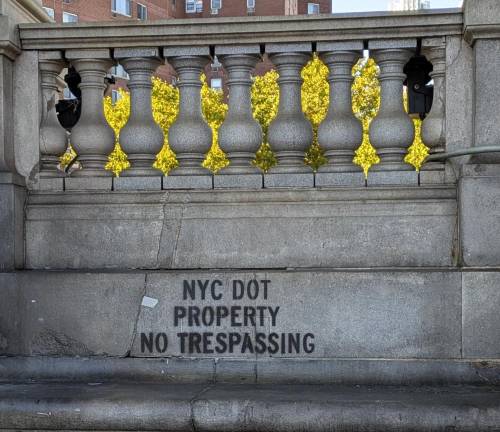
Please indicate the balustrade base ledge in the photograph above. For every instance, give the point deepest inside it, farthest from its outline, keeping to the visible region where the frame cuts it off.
(137, 183)
(394, 178)
(88, 183)
(238, 181)
(50, 184)
(325, 179)
(188, 182)
(288, 180)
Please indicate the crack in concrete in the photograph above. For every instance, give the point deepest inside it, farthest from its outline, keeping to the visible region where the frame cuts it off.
(136, 323)
(193, 401)
(179, 229)
(162, 232)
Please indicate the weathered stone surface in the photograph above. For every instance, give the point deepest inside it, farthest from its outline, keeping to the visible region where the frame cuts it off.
(237, 181)
(487, 94)
(137, 183)
(356, 179)
(350, 311)
(188, 407)
(288, 180)
(12, 200)
(481, 297)
(88, 183)
(64, 314)
(275, 229)
(10, 319)
(345, 408)
(479, 202)
(460, 90)
(174, 181)
(101, 369)
(380, 178)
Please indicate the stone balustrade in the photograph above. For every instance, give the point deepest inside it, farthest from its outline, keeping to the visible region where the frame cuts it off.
(290, 133)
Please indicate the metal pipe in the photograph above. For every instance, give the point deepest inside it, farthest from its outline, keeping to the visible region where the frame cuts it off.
(464, 152)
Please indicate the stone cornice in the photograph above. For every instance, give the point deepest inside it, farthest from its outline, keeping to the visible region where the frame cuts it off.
(9, 49)
(484, 31)
(260, 30)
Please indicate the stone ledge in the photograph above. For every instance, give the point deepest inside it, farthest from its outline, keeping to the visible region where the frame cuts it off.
(173, 370)
(188, 407)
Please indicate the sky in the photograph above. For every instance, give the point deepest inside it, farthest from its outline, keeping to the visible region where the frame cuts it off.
(340, 6)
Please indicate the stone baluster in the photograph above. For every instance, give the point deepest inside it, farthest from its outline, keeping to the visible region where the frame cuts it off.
(92, 137)
(53, 137)
(340, 133)
(392, 130)
(240, 136)
(189, 136)
(290, 133)
(141, 138)
(434, 125)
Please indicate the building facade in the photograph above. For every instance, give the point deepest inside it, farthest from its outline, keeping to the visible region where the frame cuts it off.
(409, 5)
(228, 8)
(109, 10)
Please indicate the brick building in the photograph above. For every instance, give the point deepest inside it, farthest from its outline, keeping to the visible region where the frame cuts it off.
(228, 8)
(107, 10)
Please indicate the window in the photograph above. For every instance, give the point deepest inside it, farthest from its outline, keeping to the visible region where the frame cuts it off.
(121, 7)
(69, 17)
(67, 94)
(142, 12)
(115, 96)
(119, 72)
(312, 8)
(50, 12)
(216, 4)
(194, 6)
(250, 4)
(216, 83)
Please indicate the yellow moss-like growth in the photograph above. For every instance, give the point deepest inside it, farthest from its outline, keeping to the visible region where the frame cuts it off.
(418, 151)
(165, 106)
(365, 105)
(265, 102)
(117, 115)
(214, 110)
(315, 102)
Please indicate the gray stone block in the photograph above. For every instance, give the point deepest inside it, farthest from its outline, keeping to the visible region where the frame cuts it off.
(325, 179)
(238, 408)
(10, 318)
(97, 406)
(137, 183)
(487, 95)
(106, 369)
(479, 221)
(481, 320)
(186, 51)
(12, 203)
(340, 46)
(378, 44)
(428, 177)
(51, 184)
(188, 182)
(424, 319)
(76, 314)
(288, 180)
(76, 54)
(355, 227)
(242, 181)
(395, 178)
(274, 48)
(88, 183)
(236, 371)
(122, 53)
(237, 49)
